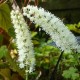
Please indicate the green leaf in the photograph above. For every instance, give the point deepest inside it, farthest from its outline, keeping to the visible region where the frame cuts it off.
(1, 38)
(71, 73)
(11, 32)
(66, 74)
(35, 42)
(3, 51)
(36, 25)
(33, 34)
(75, 76)
(74, 27)
(5, 21)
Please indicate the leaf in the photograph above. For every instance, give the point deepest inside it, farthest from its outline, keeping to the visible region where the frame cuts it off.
(3, 51)
(36, 25)
(5, 21)
(74, 27)
(11, 32)
(33, 34)
(66, 74)
(35, 42)
(1, 38)
(75, 76)
(72, 70)
(70, 73)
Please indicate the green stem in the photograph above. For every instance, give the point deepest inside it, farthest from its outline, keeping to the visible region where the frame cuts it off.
(26, 76)
(54, 72)
(26, 73)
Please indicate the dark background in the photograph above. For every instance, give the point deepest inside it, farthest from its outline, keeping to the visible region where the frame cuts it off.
(68, 10)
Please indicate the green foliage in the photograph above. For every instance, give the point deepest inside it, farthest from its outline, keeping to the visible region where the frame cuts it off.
(74, 27)
(5, 21)
(70, 59)
(33, 34)
(10, 64)
(11, 32)
(3, 51)
(45, 53)
(71, 73)
(1, 39)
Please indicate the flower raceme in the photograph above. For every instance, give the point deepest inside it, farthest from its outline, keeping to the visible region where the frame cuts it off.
(53, 26)
(23, 41)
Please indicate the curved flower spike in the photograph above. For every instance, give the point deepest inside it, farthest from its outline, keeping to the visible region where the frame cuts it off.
(53, 26)
(23, 41)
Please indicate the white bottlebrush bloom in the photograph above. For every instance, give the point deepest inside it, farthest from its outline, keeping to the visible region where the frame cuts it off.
(23, 41)
(53, 26)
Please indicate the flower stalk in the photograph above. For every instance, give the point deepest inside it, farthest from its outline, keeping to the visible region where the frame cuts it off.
(53, 26)
(24, 43)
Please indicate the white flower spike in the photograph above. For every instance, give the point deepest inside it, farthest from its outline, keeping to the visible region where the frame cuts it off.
(23, 41)
(53, 26)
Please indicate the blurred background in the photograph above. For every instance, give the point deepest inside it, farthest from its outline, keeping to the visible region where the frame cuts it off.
(68, 10)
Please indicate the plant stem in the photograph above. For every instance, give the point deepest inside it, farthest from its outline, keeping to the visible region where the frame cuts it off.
(36, 2)
(26, 73)
(54, 72)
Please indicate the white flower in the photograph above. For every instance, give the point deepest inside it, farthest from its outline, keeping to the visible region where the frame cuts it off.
(22, 65)
(23, 40)
(53, 26)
